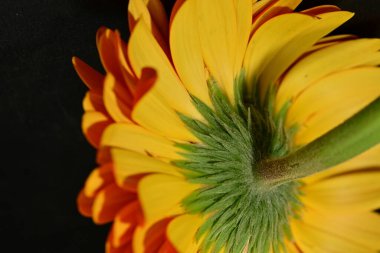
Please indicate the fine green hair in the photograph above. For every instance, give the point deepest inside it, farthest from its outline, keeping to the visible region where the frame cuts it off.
(242, 211)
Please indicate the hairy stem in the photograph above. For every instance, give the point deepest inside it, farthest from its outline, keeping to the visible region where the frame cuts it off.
(354, 136)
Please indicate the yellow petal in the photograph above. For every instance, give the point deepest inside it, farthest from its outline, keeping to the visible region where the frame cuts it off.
(156, 111)
(128, 163)
(87, 103)
(259, 6)
(186, 51)
(299, 44)
(218, 35)
(267, 9)
(364, 161)
(144, 52)
(314, 240)
(161, 195)
(138, 239)
(151, 113)
(338, 57)
(243, 22)
(339, 37)
(346, 193)
(314, 11)
(291, 247)
(268, 41)
(361, 228)
(152, 13)
(135, 138)
(331, 100)
(115, 99)
(181, 233)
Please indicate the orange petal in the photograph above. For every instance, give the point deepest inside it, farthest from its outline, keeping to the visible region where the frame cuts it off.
(125, 223)
(127, 248)
(109, 202)
(98, 179)
(167, 247)
(84, 204)
(177, 5)
(90, 77)
(117, 99)
(93, 125)
(93, 101)
(108, 51)
(145, 83)
(103, 155)
(155, 237)
(159, 16)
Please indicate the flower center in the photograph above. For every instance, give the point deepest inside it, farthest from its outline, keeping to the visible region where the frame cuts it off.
(243, 212)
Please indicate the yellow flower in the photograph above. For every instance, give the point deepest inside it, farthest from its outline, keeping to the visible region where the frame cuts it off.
(210, 128)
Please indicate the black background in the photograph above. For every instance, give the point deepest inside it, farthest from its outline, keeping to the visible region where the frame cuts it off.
(44, 156)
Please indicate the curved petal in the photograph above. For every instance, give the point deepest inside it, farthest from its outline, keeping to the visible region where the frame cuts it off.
(157, 109)
(186, 51)
(98, 179)
(84, 204)
(135, 138)
(328, 60)
(314, 11)
(269, 39)
(108, 202)
(346, 193)
(151, 113)
(181, 232)
(159, 199)
(280, 41)
(311, 239)
(93, 125)
(362, 228)
(128, 163)
(116, 99)
(331, 100)
(323, 24)
(144, 52)
(152, 13)
(93, 101)
(124, 224)
(155, 236)
(92, 78)
(109, 52)
(267, 9)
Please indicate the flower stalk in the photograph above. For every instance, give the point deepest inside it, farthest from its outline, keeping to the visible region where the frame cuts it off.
(354, 136)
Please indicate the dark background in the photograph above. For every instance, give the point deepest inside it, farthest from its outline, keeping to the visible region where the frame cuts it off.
(44, 158)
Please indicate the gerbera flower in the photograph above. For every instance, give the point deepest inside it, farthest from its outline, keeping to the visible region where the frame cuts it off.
(236, 125)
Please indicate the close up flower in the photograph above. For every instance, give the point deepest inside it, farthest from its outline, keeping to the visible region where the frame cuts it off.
(234, 126)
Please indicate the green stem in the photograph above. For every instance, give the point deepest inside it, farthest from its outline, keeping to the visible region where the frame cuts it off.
(354, 136)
